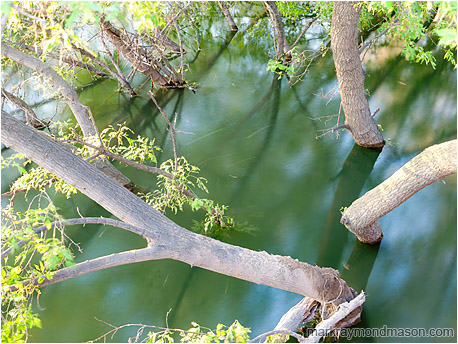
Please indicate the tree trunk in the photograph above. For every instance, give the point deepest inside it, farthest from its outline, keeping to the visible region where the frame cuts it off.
(80, 111)
(282, 45)
(431, 165)
(344, 45)
(228, 16)
(165, 237)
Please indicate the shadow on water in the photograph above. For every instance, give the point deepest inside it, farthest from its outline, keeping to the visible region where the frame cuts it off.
(355, 171)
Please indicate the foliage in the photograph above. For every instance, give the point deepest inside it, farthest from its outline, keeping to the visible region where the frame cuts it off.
(235, 333)
(36, 178)
(410, 22)
(139, 149)
(279, 67)
(294, 10)
(171, 195)
(149, 14)
(38, 258)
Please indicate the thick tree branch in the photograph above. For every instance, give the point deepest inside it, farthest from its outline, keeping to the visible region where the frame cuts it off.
(303, 312)
(431, 165)
(327, 326)
(285, 273)
(228, 16)
(69, 94)
(280, 38)
(81, 112)
(67, 59)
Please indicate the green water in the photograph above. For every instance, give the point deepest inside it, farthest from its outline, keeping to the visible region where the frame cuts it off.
(255, 141)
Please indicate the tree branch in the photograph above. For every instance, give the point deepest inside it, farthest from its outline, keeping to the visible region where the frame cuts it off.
(326, 326)
(304, 30)
(228, 16)
(31, 117)
(172, 129)
(286, 273)
(80, 111)
(101, 263)
(66, 59)
(431, 165)
(78, 221)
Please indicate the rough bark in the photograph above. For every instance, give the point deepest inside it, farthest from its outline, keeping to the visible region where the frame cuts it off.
(167, 239)
(71, 98)
(431, 165)
(228, 16)
(282, 46)
(30, 116)
(344, 45)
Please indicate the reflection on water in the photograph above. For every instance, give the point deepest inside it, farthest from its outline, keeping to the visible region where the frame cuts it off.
(254, 141)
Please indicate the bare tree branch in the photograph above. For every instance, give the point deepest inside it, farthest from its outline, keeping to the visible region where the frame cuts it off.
(228, 16)
(78, 221)
(80, 111)
(326, 326)
(67, 59)
(433, 164)
(304, 30)
(172, 129)
(30, 116)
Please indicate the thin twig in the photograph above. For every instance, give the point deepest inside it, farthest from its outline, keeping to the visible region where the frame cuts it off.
(77, 221)
(181, 49)
(195, 29)
(370, 42)
(304, 30)
(172, 130)
(120, 77)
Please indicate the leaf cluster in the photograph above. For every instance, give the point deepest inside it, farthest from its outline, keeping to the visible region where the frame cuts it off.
(235, 333)
(411, 22)
(38, 258)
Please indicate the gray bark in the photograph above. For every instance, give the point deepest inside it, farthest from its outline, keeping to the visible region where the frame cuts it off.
(30, 116)
(228, 16)
(167, 239)
(344, 45)
(282, 46)
(140, 59)
(433, 164)
(71, 98)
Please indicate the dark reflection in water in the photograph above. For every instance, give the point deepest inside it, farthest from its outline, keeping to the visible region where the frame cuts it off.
(253, 138)
(352, 178)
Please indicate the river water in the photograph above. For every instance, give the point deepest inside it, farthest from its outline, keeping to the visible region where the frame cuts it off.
(254, 138)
